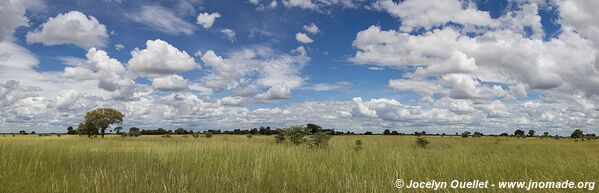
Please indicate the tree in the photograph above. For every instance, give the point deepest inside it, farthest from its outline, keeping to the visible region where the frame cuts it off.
(134, 131)
(519, 133)
(577, 133)
(531, 133)
(313, 128)
(180, 131)
(71, 131)
(100, 119)
(387, 132)
(546, 134)
(118, 129)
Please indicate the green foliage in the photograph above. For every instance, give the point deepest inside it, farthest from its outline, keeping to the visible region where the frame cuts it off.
(320, 139)
(519, 133)
(208, 134)
(422, 142)
(359, 145)
(313, 128)
(134, 131)
(167, 136)
(296, 135)
(577, 133)
(531, 133)
(466, 134)
(249, 136)
(387, 132)
(280, 137)
(97, 120)
(195, 135)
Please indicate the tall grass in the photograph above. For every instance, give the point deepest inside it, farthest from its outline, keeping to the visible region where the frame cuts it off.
(226, 163)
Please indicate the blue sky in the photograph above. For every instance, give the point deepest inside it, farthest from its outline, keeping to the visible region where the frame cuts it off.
(439, 66)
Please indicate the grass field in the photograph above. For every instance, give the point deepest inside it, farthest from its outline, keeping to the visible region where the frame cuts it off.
(228, 163)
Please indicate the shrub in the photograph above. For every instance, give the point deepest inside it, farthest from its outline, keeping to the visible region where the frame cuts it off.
(195, 135)
(58, 135)
(320, 139)
(280, 137)
(359, 145)
(422, 142)
(208, 134)
(167, 136)
(296, 135)
(249, 136)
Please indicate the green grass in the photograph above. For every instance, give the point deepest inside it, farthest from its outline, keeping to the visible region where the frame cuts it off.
(227, 163)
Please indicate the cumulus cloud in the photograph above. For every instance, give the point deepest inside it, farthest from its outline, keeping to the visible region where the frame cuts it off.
(312, 28)
(13, 14)
(276, 92)
(258, 66)
(229, 34)
(416, 14)
(303, 38)
(170, 83)
(206, 20)
(161, 19)
(74, 28)
(160, 58)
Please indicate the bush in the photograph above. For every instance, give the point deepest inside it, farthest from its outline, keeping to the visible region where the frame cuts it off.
(320, 139)
(422, 142)
(167, 136)
(249, 136)
(280, 137)
(195, 135)
(58, 135)
(208, 134)
(358, 146)
(296, 135)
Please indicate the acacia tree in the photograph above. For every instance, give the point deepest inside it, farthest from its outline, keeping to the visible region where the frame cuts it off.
(99, 120)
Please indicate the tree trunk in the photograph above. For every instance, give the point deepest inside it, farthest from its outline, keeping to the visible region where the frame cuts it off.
(103, 131)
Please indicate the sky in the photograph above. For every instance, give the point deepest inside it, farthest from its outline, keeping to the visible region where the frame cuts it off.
(440, 66)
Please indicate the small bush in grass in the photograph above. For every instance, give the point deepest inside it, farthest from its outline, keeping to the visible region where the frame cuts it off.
(58, 135)
(249, 136)
(195, 135)
(208, 134)
(320, 139)
(422, 142)
(13, 135)
(167, 136)
(185, 136)
(296, 135)
(280, 137)
(359, 145)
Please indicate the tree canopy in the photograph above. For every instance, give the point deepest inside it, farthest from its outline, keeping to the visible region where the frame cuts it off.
(99, 120)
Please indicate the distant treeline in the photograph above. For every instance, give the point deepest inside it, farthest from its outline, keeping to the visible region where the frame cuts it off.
(313, 128)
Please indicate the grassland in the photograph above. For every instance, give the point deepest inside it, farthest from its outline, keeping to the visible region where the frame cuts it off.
(227, 163)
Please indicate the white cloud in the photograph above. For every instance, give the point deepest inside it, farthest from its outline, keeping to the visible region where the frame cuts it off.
(312, 28)
(253, 67)
(161, 19)
(160, 58)
(229, 34)
(206, 20)
(420, 86)
(276, 92)
(170, 83)
(337, 86)
(318, 4)
(303, 38)
(416, 14)
(361, 110)
(13, 16)
(73, 27)
(234, 101)
(119, 47)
